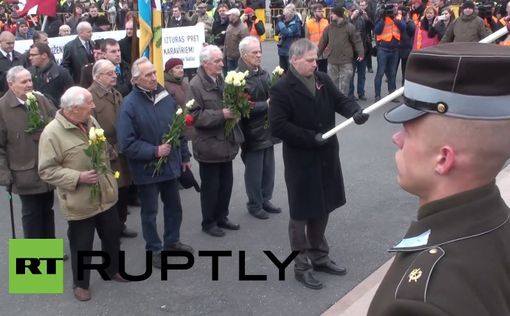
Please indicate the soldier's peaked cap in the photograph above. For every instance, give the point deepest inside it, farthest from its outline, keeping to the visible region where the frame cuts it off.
(464, 80)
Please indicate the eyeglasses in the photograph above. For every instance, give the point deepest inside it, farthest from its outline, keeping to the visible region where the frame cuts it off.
(109, 73)
(31, 55)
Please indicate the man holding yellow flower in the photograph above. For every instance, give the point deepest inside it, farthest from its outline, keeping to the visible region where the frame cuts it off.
(73, 157)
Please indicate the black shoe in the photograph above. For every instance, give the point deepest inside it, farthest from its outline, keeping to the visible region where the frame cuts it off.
(362, 98)
(260, 214)
(270, 208)
(228, 225)
(179, 246)
(377, 98)
(308, 280)
(65, 257)
(128, 233)
(156, 260)
(331, 268)
(214, 231)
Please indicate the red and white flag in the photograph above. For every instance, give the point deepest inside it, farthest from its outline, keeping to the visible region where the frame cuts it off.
(45, 7)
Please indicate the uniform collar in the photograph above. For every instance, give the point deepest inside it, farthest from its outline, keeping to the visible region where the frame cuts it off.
(465, 215)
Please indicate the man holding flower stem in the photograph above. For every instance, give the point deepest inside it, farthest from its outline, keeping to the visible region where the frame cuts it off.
(146, 116)
(257, 149)
(212, 148)
(20, 128)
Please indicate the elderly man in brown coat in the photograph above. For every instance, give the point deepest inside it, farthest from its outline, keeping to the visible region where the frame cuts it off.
(107, 100)
(213, 150)
(18, 152)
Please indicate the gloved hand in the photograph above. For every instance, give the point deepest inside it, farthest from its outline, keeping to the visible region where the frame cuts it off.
(319, 141)
(359, 117)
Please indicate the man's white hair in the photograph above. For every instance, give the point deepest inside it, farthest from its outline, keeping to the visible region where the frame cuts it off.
(73, 97)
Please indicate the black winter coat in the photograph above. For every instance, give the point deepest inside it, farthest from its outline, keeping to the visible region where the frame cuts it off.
(257, 134)
(312, 173)
(52, 80)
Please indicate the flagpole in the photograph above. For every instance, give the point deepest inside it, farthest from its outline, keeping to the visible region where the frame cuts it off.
(44, 23)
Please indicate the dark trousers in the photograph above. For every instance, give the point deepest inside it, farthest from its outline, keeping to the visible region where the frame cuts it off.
(217, 180)
(122, 206)
(81, 238)
(258, 176)
(322, 65)
(284, 62)
(308, 238)
(37, 215)
(403, 55)
(387, 62)
(360, 69)
(172, 213)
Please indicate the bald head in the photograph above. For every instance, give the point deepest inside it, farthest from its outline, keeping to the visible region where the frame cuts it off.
(7, 41)
(440, 156)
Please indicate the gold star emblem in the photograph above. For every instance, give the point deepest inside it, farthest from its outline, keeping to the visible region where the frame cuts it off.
(415, 275)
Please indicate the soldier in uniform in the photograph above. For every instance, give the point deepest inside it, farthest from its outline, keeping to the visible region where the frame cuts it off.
(455, 258)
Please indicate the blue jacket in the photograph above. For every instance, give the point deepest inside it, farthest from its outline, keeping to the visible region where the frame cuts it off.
(394, 44)
(143, 120)
(288, 32)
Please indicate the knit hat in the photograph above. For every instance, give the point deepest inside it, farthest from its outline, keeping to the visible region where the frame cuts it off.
(468, 4)
(171, 63)
(338, 11)
(21, 22)
(248, 10)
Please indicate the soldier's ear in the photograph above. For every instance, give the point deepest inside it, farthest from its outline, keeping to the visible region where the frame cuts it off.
(445, 160)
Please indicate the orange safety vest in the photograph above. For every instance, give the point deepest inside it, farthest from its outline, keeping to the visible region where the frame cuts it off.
(315, 29)
(253, 30)
(389, 32)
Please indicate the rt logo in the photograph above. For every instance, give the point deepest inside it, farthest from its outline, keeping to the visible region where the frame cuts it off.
(36, 266)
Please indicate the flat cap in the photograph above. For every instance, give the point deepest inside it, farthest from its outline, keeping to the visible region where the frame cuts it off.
(234, 11)
(464, 80)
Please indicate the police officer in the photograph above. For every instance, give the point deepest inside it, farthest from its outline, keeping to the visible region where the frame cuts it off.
(455, 258)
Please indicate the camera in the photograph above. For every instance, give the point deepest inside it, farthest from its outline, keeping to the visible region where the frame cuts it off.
(485, 9)
(387, 8)
(442, 18)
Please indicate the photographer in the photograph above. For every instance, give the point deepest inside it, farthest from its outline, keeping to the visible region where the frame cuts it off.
(255, 26)
(467, 28)
(289, 28)
(387, 31)
(444, 20)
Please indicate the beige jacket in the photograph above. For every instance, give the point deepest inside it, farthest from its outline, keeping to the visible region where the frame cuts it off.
(62, 158)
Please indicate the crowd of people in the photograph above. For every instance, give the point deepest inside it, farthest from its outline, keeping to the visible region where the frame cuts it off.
(47, 111)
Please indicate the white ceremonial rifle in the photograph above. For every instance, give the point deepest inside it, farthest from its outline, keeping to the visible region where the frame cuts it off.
(400, 91)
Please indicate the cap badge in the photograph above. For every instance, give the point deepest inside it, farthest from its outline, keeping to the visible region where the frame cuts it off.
(415, 275)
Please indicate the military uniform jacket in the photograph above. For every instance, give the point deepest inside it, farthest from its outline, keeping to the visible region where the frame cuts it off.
(18, 149)
(463, 266)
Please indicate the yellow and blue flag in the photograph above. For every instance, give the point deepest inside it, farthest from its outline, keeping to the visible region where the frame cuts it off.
(151, 34)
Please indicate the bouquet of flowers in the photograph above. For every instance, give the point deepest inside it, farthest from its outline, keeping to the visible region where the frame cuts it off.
(276, 75)
(35, 120)
(235, 99)
(97, 153)
(181, 120)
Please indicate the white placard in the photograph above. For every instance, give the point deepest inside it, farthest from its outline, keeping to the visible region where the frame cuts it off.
(180, 42)
(184, 43)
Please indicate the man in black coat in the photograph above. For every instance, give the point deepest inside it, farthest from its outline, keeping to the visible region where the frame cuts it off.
(48, 77)
(79, 51)
(8, 58)
(111, 51)
(302, 107)
(455, 257)
(257, 149)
